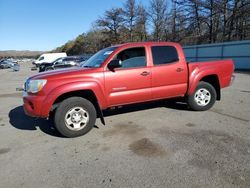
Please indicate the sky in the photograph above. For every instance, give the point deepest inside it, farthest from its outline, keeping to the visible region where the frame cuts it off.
(46, 24)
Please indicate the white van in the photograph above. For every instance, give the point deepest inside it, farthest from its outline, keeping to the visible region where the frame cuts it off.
(48, 58)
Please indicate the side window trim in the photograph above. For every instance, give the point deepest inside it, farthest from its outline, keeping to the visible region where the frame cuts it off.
(165, 64)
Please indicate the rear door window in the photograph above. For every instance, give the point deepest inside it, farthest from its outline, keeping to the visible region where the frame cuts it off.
(164, 55)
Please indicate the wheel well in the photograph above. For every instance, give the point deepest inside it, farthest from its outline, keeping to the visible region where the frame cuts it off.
(214, 81)
(87, 94)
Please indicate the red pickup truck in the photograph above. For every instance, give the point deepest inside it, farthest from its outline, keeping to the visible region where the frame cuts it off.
(119, 75)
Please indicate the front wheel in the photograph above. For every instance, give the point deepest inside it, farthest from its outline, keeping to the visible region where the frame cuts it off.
(74, 117)
(203, 98)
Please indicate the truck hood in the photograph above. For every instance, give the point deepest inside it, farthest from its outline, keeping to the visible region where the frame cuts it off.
(62, 73)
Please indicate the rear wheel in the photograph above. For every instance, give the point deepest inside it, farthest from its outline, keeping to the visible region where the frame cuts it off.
(75, 116)
(203, 98)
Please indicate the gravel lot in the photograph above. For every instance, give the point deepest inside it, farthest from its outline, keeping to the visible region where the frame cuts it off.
(161, 144)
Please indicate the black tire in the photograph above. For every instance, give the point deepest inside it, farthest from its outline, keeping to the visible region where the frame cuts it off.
(65, 107)
(197, 106)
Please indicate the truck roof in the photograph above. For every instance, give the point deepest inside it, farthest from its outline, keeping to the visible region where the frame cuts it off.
(145, 43)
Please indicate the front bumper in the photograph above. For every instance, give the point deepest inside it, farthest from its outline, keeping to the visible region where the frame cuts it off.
(33, 105)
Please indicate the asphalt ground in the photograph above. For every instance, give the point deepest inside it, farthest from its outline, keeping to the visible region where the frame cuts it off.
(159, 144)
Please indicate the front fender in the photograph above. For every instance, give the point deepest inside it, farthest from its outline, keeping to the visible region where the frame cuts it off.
(71, 87)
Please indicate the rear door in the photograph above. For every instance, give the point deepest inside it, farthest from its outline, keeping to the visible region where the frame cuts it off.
(132, 82)
(169, 74)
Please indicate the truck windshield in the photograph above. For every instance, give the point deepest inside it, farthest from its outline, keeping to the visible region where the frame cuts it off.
(96, 60)
(41, 58)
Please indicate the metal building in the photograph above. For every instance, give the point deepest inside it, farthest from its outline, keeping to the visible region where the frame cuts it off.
(239, 51)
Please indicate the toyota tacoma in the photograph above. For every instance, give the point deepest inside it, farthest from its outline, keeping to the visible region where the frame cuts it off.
(120, 75)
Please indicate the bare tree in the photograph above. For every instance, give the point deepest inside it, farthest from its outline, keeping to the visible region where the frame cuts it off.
(141, 23)
(130, 16)
(112, 21)
(209, 6)
(239, 20)
(157, 13)
(225, 18)
(188, 22)
(174, 19)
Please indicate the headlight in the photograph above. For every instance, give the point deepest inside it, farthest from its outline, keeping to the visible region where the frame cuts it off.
(34, 86)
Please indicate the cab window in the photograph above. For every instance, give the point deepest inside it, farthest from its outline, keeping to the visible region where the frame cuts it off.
(132, 57)
(164, 55)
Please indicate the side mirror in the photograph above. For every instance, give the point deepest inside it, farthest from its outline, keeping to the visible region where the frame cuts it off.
(114, 64)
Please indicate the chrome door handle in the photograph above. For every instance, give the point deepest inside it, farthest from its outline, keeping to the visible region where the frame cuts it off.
(145, 73)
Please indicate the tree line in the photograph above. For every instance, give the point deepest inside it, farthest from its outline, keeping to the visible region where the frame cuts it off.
(188, 22)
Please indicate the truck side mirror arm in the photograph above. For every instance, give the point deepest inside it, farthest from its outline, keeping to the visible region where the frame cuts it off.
(116, 63)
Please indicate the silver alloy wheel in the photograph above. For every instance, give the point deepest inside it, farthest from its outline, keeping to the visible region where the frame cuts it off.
(76, 118)
(202, 97)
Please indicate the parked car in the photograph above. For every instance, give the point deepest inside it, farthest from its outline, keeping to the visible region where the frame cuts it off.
(121, 75)
(64, 62)
(48, 58)
(12, 59)
(6, 64)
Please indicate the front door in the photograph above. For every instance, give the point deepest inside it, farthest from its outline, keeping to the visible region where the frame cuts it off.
(132, 82)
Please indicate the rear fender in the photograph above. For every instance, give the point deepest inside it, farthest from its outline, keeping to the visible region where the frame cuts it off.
(196, 76)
